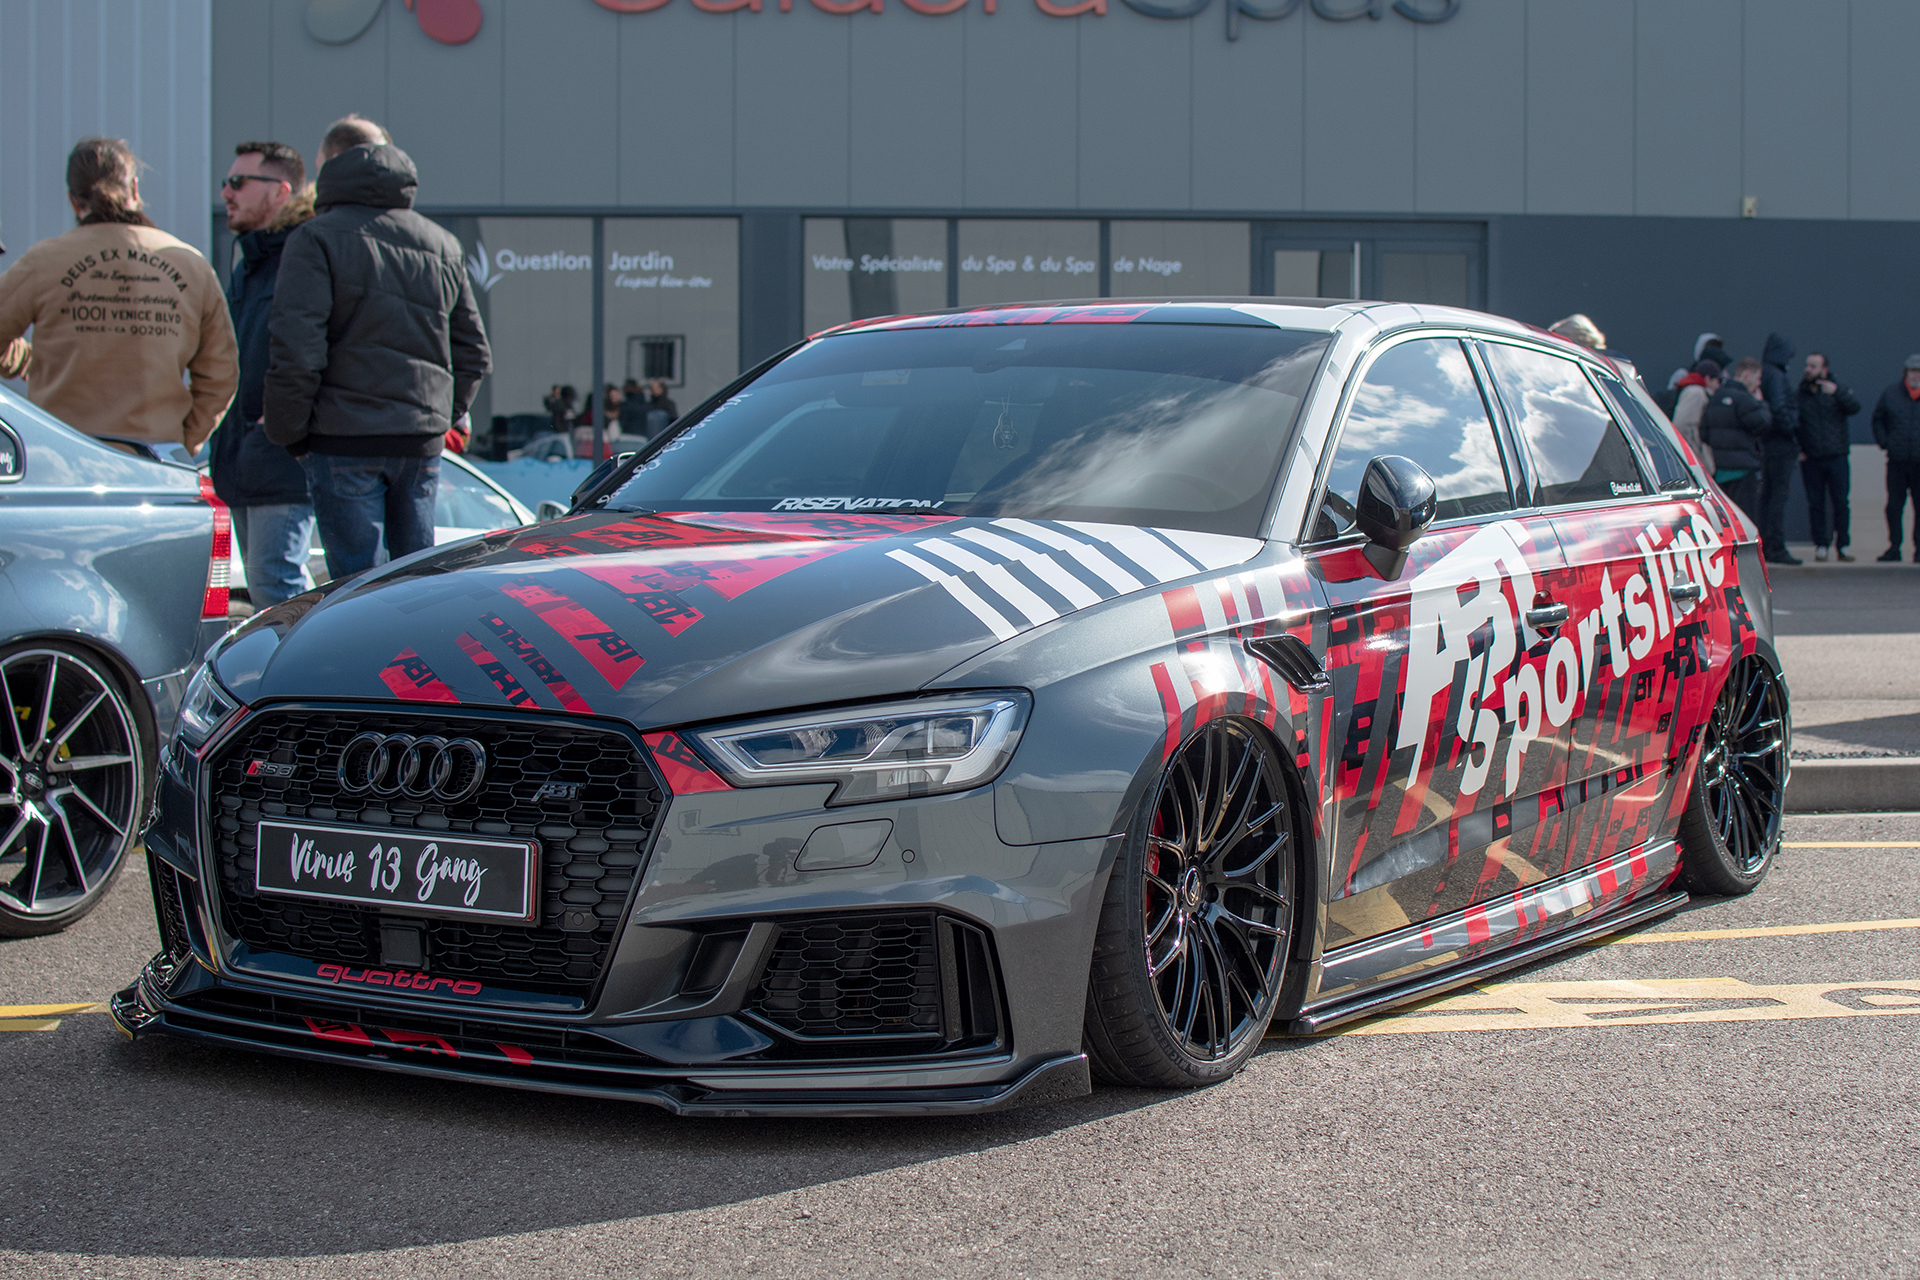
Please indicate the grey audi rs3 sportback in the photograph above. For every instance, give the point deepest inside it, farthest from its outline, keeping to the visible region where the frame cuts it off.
(958, 708)
(112, 584)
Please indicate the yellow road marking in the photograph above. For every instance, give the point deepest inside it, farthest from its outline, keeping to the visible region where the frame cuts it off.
(1529, 1006)
(1850, 844)
(1770, 931)
(49, 1010)
(29, 1024)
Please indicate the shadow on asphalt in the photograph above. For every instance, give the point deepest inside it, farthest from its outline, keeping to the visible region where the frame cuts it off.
(194, 1151)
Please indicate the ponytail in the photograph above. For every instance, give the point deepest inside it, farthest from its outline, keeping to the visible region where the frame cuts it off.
(100, 178)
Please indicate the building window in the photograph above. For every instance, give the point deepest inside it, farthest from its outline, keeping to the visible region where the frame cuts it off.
(857, 268)
(671, 304)
(1438, 278)
(533, 279)
(658, 356)
(1022, 260)
(1175, 259)
(1313, 273)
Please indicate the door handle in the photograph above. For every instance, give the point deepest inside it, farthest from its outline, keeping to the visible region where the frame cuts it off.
(1548, 617)
(1687, 593)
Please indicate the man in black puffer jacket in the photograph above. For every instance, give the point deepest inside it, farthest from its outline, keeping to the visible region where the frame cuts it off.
(377, 349)
(1735, 426)
(1782, 448)
(1825, 406)
(1896, 428)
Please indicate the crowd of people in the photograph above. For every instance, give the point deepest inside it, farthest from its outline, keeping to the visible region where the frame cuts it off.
(341, 361)
(630, 415)
(1751, 424)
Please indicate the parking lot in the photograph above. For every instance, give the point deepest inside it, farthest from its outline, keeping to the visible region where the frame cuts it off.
(1749, 1110)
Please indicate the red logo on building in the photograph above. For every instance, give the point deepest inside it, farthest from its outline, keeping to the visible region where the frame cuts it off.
(342, 21)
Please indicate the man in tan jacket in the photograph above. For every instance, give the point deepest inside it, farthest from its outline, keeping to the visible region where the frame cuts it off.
(119, 311)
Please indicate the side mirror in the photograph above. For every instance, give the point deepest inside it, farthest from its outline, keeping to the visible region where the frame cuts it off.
(1397, 502)
(595, 477)
(549, 510)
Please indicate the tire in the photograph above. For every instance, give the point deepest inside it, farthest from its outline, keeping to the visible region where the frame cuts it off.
(1730, 829)
(77, 765)
(1199, 916)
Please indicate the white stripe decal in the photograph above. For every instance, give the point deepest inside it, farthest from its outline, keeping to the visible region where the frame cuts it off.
(1214, 550)
(1043, 566)
(1145, 550)
(1112, 573)
(1010, 588)
(960, 591)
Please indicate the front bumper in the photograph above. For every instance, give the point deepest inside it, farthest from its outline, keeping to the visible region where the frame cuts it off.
(722, 894)
(194, 1005)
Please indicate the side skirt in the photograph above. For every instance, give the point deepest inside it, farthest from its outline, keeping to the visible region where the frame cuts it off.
(1425, 959)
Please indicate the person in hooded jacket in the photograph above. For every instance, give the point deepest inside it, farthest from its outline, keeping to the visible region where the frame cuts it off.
(266, 196)
(1782, 447)
(1896, 429)
(1825, 406)
(1695, 390)
(1736, 424)
(376, 349)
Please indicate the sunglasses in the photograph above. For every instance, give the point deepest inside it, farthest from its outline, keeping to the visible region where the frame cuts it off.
(237, 181)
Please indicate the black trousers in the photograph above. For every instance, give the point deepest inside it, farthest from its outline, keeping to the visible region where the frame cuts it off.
(1775, 481)
(1827, 481)
(1745, 493)
(1903, 482)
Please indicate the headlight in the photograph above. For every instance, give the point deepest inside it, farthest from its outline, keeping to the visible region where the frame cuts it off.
(916, 748)
(205, 708)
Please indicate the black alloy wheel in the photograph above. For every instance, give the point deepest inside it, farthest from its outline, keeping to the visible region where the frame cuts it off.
(1198, 918)
(1731, 827)
(72, 781)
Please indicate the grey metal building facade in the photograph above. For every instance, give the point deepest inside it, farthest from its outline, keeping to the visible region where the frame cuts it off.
(688, 185)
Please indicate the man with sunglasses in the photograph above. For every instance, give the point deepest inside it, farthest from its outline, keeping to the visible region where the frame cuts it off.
(266, 196)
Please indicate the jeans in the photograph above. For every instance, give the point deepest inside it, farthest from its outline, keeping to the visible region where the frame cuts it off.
(1827, 481)
(1775, 481)
(273, 542)
(1903, 481)
(352, 496)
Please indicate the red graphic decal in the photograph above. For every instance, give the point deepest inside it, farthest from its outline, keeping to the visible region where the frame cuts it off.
(399, 979)
(510, 688)
(667, 609)
(1170, 705)
(344, 1032)
(515, 1054)
(1183, 611)
(685, 772)
(415, 1041)
(549, 675)
(598, 643)
(409, 676)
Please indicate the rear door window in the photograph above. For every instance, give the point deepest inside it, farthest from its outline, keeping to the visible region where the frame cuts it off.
(1579, 452)
(1419, 400)
(1669, 470)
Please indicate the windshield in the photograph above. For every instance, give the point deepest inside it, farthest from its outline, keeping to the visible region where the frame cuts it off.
(1171, 425)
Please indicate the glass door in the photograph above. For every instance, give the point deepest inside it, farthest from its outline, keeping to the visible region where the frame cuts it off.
(1440, 263)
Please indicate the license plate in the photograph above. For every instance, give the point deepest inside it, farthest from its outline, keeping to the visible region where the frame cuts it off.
(426, 874)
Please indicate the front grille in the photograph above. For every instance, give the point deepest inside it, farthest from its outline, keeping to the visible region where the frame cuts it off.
(853, 977)
(591, 845)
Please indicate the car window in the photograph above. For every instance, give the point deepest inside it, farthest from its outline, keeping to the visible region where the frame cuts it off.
(13, 458)
(1420, 400)
(465, 503)
(1174, 425)
(1579, 452)
(1669, 468)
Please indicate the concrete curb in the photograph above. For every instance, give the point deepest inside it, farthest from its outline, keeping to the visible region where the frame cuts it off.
(1854, 786)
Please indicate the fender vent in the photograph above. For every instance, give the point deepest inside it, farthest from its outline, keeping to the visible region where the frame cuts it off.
(1289, 655)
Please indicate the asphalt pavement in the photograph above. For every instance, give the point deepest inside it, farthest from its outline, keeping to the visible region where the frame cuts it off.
(1730, 1092)
(1849, 640)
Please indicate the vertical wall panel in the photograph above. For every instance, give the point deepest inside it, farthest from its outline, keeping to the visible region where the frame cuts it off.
(1579, 106)
(1136, 111)
(458, 151)
(560, 134)
(1359, 115)
(908, 82)
(1885, 180)
(133, 69)
(243, 91)
(676, 115)
(1470, 112)
(1687, 123)
(1248, 123)
(790, 119)
(1023, 108)
(1795, 111)
(315, 84)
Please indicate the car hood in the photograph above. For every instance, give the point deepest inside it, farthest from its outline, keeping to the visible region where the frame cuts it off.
(668, 618)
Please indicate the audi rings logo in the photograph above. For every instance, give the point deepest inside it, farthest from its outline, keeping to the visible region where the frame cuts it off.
(399, 764)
